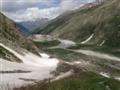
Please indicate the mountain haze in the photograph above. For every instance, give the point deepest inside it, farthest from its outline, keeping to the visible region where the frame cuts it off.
(33, 25)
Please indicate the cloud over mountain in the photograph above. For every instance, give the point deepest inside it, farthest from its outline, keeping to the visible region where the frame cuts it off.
(21, 10)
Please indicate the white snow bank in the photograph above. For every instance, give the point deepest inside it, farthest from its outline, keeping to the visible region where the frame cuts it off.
(63, 75)
(105, 74)
(102, 43)
(88, 39)
(40, 68)
(97, 54)
(44, 55)
(32, 59)
(67, 41)
(43, 61)
(39, 37)
(65, 44)
(117, 78)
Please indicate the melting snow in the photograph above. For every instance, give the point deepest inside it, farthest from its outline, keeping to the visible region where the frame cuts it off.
(40, 68)
(102, 43)
(108, 76)
(65, 44)
(97, 54)
(105, 74)
(44, 55)
(88, 39)
(63, 75)
(117, 78)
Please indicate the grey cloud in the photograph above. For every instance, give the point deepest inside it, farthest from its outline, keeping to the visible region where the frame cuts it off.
(15, 5)
(30, 11)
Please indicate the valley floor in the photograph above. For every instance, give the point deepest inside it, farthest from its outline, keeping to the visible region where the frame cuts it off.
(76, 68)
(92, 70)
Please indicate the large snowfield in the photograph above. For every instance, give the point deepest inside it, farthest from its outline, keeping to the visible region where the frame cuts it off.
(37, 68)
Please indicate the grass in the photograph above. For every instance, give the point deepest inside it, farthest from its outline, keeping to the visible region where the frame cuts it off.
(78, 81)
(82, 46)
(47, 44)
(107, 68)
(66, 55)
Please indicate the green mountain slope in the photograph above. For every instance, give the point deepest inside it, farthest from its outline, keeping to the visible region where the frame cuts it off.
(102, 21)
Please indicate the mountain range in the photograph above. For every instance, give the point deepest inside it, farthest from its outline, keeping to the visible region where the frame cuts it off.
(98, 24)
(32, 26)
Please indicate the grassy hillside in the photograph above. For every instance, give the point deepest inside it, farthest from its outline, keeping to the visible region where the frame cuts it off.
(103, 21)
(78, 81)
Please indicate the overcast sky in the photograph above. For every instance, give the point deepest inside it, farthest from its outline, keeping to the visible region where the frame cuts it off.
(25, 10)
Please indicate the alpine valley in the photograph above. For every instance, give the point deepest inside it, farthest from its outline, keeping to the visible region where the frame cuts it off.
(78, 50)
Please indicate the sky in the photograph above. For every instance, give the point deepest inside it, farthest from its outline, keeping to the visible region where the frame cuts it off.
(29, 10)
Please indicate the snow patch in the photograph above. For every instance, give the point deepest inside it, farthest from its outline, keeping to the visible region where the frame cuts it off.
(39, 37)
(77, 62)
(63, 75)
(65, 44)
(67, 41)
(44, 55)
(88, 39)
(97, 54)
(105, 74)
(102, 43)
(117, 78)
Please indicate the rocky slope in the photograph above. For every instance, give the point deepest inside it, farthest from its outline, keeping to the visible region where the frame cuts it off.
(11, 36)
(99, 25)
(19, 64)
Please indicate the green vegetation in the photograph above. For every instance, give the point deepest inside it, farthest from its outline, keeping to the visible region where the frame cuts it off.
(5, 54)
(85, 81)
(108, 68)
(78, 81)
(83, 46)
(66, 55)
(47, 44)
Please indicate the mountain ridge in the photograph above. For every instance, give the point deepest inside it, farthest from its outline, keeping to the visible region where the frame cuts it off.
(102, 20)
(11, 36)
